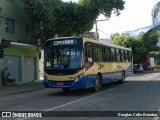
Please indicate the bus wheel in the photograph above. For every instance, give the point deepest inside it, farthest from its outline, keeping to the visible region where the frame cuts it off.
(98, 84)
(65, 89)
(122, 81)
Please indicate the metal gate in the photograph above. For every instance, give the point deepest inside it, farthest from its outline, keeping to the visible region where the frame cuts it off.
(13, 65)
(29, 68)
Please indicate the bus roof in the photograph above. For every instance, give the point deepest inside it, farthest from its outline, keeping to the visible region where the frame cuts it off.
(94, 41)
(62, 38)
(107, 44)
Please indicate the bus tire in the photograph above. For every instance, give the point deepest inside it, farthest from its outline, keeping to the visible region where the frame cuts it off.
(122, 81)
(98, 84)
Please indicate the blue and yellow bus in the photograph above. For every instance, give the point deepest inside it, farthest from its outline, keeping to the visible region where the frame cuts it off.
(77, 62)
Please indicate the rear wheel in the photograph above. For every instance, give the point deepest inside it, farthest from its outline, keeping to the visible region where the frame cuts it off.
(98, 84)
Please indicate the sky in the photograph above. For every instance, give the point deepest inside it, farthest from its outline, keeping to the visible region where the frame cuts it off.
(137, 14)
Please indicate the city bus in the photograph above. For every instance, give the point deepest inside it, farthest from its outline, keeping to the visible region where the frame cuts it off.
(78, 62)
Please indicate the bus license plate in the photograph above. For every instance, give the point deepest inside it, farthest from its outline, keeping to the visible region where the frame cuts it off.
(60, 83)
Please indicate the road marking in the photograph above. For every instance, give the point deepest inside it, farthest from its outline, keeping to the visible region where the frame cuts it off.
(78, 100)
(53, 108)
(157, 118)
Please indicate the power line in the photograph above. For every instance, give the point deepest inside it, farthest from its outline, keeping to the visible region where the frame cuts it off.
(104, 33)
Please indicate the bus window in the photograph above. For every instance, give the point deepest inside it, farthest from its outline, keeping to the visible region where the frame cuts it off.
(107, 54)
(121, 55)
(118, 55)
(88, 58)
(112, 54)
(126, 53)
(98, 53)
(63, 58)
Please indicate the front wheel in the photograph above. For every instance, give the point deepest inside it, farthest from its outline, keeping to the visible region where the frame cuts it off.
(98, 84)
(122, 81)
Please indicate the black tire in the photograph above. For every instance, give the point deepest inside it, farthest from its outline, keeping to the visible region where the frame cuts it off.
(98, 84)
(122, 81)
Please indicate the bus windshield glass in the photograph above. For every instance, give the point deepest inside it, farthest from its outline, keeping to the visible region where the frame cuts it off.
(63, 58)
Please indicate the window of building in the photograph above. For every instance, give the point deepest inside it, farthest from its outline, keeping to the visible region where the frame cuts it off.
(29, 30)
(10, 26)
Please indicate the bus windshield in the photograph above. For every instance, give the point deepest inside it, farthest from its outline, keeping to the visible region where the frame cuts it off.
(63, 58)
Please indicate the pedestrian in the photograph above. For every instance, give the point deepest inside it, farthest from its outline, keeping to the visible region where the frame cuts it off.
(10, 79)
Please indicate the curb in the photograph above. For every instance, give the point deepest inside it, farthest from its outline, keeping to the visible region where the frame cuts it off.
(20, 88)
(18, 92)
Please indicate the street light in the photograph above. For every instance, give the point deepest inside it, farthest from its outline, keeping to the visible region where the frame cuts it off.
(97, 36)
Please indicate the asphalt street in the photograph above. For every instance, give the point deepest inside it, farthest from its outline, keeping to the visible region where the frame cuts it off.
(139, 93)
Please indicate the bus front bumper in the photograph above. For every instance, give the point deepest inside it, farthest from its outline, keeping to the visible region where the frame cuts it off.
(83, 82)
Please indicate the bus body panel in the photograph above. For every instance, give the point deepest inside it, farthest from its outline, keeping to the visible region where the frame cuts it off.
(88, 79)
(83, 82)
(110, 71)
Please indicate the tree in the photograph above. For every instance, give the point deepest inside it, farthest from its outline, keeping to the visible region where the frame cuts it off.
(104, 7)
(121, 40)
(156, 14)
(150, 39)
(41, 13)
(138, 49)
(57, 18)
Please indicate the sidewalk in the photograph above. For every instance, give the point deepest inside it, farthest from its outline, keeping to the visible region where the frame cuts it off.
(20, 88)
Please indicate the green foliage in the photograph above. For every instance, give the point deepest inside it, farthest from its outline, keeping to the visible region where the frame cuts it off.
(138, 49)
(42, 16)
(56, 18)
(121, 40)
(72, 19)
(98, 54)
(150, 38)
(104, 7)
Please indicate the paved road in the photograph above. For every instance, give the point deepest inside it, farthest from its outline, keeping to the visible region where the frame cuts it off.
(139, 93)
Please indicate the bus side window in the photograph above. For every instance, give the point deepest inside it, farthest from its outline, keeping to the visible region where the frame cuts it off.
(88, 58)
(106, 54)
(124, 52)
(126, 58)
(112, 54)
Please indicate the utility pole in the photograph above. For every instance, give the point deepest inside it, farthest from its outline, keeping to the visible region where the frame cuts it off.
(97, 36)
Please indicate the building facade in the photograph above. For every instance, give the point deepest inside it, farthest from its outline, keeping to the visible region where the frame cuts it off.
(20, 55)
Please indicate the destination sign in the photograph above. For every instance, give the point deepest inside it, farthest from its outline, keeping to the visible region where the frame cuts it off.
(65, 42)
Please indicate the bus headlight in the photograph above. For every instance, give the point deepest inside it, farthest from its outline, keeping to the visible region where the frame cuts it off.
(78, 77)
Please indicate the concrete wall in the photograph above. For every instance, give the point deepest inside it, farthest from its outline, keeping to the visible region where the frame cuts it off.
(20, 53)
(15, 10)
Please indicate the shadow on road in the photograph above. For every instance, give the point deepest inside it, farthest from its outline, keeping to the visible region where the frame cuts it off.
(83, 92)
